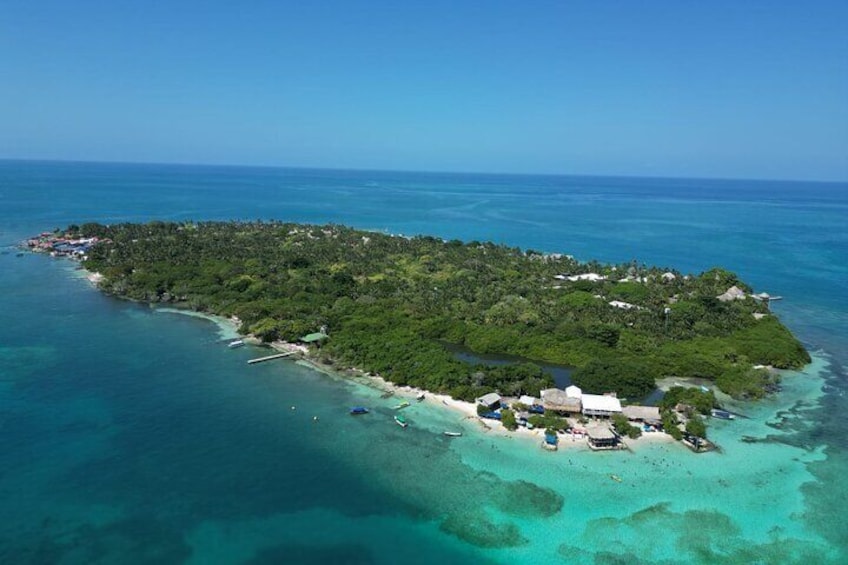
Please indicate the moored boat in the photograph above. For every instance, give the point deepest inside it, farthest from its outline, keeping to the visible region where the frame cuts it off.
(235, 343)
(722, 414)
(401, 421)
(403, 404)
(357, 410)
(452, 434)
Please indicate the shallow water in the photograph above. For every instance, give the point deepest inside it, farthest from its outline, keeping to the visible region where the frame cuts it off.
(133, 435)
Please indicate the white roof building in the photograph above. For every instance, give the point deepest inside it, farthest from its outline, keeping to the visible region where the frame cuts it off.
(528, 400)
(573, 391)
(594, 277)
(624, 305)
(600, 405)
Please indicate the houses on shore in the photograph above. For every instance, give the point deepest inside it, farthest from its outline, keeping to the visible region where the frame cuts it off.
(61, 245)
(588, 416)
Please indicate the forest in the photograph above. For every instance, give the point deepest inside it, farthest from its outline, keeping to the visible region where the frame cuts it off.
(389, 304)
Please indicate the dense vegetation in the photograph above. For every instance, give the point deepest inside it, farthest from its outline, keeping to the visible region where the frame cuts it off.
(388, 304)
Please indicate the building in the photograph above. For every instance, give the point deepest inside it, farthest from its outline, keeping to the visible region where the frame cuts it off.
(731, 294)
(601, 437)
(529, 400)
(492, 401)
(316, 337)
(593, 277)
(574, 391)
(624, 305)
(647, 414)
(600, 405)
(559, 401)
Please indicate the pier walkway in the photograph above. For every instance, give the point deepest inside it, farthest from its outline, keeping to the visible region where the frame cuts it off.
(270, 357)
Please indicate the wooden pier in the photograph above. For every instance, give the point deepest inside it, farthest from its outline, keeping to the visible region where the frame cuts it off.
(270, 357)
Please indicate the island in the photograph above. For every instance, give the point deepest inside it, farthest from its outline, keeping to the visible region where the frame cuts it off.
(399, 306)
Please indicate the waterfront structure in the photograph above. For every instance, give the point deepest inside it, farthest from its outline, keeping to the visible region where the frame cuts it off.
(492, 401)
(601, 437)
(647, 414)
(600, 405)
(559, 401)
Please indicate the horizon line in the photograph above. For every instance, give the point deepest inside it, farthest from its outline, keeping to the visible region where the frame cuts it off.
(422, 171)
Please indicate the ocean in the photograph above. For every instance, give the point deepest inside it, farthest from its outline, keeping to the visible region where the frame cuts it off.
(131, 434)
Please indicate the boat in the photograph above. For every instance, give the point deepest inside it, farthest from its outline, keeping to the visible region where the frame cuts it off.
(403, 404)
(235, 343)
(420, 397)
(452, 434)
(401, 421)
(356, 410)
(722, 414)
(616, 478)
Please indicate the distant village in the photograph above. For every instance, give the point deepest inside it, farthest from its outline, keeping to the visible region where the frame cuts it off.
(61, 246)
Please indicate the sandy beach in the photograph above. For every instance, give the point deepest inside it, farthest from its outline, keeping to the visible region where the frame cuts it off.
(467, 410)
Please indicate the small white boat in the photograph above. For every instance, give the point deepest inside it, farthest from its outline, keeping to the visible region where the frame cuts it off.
(235, 343)
(452, 434)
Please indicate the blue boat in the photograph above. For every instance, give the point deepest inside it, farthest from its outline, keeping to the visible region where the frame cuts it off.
(722, 414)
(356, 410)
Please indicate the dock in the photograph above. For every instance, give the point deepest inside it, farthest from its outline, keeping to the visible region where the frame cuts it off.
(269, 357)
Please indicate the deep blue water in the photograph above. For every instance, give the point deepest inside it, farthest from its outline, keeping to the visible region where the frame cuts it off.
(131, 436)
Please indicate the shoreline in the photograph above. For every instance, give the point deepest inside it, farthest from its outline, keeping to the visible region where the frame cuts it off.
(488, 428)
(229, 326)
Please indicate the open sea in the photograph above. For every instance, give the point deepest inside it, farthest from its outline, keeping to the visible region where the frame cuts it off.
(133, 435)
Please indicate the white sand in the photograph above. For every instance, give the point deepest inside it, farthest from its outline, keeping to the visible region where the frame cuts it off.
(94, 278)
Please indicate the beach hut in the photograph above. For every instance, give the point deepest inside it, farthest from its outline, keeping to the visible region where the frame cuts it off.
(558, 401)
(647, 414)
(492, 401)
(601, 437)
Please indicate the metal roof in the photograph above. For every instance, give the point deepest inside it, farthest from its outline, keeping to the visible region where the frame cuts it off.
(600, 403)
(311, 338)
(489, 399)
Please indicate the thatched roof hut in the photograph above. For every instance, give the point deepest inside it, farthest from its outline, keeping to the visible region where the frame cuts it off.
(557, 400)
(732, 293)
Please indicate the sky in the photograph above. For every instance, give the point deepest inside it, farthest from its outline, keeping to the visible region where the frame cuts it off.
(727, 89)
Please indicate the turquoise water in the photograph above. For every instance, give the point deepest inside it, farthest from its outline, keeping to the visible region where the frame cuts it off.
(132, 435)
